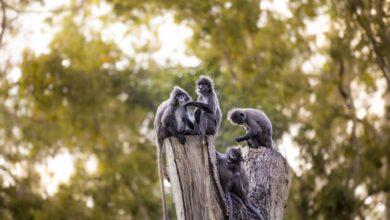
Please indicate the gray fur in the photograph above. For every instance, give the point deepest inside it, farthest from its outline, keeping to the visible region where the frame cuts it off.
(171, 119)
(207, 114)
(257, 125)
(234, 179)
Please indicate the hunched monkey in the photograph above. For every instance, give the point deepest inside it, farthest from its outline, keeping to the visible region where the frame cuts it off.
(234, 179)
(207, 113)
(171, 119)
(257, 125)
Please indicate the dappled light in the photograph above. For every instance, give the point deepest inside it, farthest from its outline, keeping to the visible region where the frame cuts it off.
(80, 82)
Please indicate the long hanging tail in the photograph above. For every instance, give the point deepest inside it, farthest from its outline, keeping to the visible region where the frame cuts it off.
(160, 150)
(249, 206)
(254, 210)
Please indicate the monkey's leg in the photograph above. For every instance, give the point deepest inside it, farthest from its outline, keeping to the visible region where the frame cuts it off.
(172, 128)
(211, 126)
(189, 124)
(264, 140)
(247, 136)
(203, 128)
(255, 142)
(250, 143)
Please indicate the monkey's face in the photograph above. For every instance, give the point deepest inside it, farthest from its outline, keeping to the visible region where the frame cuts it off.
(204, 88)
(182, 98)
(234, 156)
(238, 117)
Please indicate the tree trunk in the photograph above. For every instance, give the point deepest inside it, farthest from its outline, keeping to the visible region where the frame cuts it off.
(269, 180)
(197, 193)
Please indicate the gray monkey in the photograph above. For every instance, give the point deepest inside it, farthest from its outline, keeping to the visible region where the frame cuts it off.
(171, 119)
(207, 114)
(234, 179)
(257, 125)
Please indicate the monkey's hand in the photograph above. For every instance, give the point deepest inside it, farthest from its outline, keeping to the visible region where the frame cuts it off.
(239, 139)
(181, 138)
(189, 103)
(191, 132)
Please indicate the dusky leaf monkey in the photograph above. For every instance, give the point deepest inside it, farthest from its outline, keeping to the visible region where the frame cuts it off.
(171, 119)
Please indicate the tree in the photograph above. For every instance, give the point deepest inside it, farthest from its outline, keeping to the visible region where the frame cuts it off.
(319, 69)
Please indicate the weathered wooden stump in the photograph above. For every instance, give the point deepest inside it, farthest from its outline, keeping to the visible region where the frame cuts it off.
(269, 180)
(196, 189)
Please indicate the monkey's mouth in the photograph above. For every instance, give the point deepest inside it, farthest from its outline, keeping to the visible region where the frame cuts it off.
(203, 89)
(182, 100)
(232, 158)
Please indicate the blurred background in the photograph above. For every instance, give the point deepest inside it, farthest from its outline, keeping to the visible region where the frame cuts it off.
(80, 82)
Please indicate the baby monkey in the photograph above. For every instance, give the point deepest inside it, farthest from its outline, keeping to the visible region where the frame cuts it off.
(234, 179)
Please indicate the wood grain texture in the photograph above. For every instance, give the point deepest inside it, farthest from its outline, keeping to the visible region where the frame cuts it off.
(193, 175)
(269, 180)
(196, 190)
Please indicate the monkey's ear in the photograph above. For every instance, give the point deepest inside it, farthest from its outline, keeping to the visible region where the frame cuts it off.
(242, 115)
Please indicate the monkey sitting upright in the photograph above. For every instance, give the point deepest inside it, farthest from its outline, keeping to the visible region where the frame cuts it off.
(234, 179)
(207, 113)
(257, 125)
(171, 119)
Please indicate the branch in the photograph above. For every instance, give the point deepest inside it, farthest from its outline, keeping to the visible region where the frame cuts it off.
(347, 96)
(383, 65)
(3, 20)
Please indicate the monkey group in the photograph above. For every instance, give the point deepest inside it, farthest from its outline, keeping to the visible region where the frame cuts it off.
(174, 120)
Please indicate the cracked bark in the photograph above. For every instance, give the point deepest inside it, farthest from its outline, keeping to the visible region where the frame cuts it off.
(196, 189)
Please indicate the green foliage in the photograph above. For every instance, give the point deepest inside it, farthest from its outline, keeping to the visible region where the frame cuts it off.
(75, 97)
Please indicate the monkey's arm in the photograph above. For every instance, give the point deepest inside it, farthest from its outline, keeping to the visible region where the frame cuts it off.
(197, 113)
(188, 122)
(254, 130)
(205, 107)
(171, 126)
(247, 136)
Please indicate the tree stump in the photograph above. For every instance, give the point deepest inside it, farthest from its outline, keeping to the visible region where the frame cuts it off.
(269, 180)
(196, 190)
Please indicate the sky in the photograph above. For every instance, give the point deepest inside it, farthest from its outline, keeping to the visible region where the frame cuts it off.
(59, 168)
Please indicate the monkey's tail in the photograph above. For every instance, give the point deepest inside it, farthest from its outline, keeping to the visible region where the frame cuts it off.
(249, 206)
(160, 150)
(230, 204)
(254, 210)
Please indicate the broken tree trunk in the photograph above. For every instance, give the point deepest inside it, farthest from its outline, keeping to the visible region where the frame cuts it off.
(269, 180)
(196, 190)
